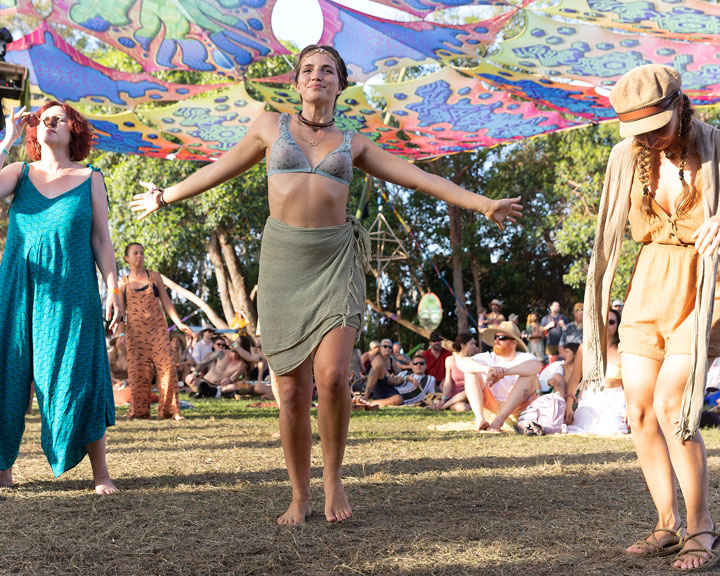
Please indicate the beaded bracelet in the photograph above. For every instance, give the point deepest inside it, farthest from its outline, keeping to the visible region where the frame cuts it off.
(160, 199)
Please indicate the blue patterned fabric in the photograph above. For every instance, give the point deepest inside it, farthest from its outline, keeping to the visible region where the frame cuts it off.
(51, 327)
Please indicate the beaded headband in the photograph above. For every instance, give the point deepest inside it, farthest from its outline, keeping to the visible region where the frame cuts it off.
(327, 53)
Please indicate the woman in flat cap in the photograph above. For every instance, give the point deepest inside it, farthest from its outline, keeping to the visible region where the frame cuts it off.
(663, 178)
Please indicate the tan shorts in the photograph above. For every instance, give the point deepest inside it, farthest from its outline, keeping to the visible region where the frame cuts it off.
(657, 319)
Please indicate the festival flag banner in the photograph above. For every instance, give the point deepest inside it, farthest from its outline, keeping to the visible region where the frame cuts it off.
(422, 8)
(686, 20)
(600, 57)
(127, 134)
(209, 125)
(389, 45)
(61, 72)
(460, 114)
(578, 99)
(204, 35)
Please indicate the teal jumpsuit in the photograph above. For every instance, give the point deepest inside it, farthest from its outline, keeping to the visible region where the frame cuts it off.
(51, 327)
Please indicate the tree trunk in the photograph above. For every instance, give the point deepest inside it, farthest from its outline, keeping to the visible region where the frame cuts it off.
(457, 275)
(213, 316)
(476, 284)
(240, 293)
(221, 277)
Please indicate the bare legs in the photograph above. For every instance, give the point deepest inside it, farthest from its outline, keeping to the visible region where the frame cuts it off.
(331, 364)
(654, 394)
(523, 389)
(103, 484)
(6, 478)
(474, 385)
(101, 477)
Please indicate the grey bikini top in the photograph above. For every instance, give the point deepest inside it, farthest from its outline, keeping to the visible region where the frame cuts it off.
(287, 156)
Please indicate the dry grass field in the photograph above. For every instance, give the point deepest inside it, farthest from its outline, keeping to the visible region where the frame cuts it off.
(200, 497)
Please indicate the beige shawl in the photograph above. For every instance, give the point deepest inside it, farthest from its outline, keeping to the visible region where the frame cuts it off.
(612, 221)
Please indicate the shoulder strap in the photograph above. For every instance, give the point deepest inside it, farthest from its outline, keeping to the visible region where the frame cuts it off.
(25, 170)
(151, 279)
(347, 139)
(94, 169)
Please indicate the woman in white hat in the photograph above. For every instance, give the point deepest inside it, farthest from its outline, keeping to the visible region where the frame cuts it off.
(664, 179)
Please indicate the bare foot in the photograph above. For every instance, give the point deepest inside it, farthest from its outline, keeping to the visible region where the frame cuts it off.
(337, 507)
(482, 425)
(105, 486)
(297, 513)
(693, 560)
(178, 416)
(6, 479)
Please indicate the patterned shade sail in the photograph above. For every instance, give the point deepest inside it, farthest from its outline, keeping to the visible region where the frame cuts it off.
(523, 69)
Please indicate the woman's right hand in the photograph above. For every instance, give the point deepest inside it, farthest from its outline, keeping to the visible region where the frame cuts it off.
(147, 202)
(14, 126)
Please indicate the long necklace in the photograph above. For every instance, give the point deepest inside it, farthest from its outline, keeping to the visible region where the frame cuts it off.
(308, 142)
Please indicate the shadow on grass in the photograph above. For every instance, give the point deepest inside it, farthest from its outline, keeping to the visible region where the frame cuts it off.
(523, 525)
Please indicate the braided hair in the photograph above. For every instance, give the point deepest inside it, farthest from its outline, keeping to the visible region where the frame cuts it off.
(689, 194)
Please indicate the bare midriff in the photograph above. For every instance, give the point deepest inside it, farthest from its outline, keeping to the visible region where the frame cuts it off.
(307, 200)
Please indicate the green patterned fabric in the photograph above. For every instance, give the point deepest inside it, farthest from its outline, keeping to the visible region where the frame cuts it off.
(51, 327)
(311, 281)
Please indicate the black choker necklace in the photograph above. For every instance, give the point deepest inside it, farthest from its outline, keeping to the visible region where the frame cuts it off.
(314, 124)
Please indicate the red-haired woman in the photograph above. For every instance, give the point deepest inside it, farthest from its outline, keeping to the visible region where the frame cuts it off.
(312, 283)
(50, 310)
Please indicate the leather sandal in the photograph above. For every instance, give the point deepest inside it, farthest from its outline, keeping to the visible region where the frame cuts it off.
(651, 548)
(710, 555)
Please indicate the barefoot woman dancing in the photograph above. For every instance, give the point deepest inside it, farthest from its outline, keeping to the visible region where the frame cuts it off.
(312, 284)
(664, 178)
(50, 311)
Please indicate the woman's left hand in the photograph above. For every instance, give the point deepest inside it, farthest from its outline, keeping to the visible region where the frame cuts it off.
(114, 310)
(147, 202)
(707, 237)
(185, 328)
(505, 209)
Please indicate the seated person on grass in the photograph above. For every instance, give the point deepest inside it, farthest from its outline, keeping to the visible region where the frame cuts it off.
(503, 382)
(414, 387)
(555, 376)
(220, 364)
(252, 363)
(382, 378)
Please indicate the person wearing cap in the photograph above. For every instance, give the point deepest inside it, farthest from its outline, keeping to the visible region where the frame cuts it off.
(617, 305)
(435, 357)
(664, 178)
(502, 382)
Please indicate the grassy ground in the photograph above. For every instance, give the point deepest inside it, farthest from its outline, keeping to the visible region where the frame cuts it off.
(201, 496)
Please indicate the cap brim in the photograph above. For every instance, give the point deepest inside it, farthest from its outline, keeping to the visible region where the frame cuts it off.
(644, 125)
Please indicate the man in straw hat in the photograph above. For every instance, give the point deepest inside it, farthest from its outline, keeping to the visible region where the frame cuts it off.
(505, 379)
(664, 178)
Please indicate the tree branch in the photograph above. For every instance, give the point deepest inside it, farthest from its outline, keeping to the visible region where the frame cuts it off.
(213, 316)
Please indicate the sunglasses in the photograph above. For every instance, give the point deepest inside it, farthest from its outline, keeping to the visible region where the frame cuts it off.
(503, 338)
(418, 363)
(50, 121)
(220, 344)
(386, 346)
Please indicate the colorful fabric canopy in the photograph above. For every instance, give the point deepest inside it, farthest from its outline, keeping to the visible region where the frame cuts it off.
(524, 69)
